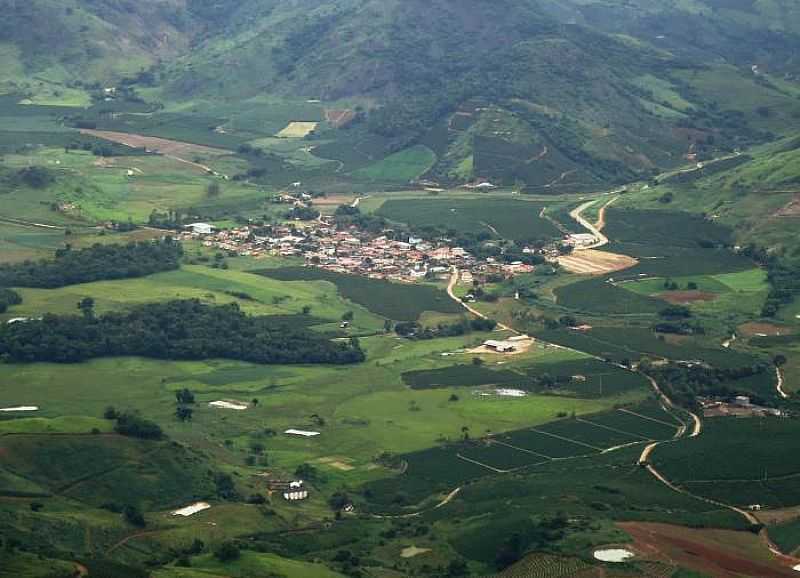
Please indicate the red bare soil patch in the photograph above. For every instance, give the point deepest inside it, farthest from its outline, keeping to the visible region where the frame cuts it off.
(792, 209)
(339, 118)
(718, 553)
(754, 328)
(686, 296)
(152, 143)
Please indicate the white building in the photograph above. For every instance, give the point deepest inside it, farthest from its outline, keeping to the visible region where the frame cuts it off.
(201, 228)
(500, 346)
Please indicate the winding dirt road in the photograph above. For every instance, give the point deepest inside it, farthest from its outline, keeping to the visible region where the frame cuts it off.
(779, 386)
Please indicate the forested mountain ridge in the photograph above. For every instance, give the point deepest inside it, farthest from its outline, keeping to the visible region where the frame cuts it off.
(553, 95)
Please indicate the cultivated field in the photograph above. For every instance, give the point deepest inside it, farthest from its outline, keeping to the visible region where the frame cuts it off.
(504, 217)
(297, 129)
(391, 300)
(593, 262)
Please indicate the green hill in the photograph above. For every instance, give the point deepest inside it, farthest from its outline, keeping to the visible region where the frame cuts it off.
(553, 96)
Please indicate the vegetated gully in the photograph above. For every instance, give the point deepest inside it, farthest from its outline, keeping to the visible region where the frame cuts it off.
(683, 432)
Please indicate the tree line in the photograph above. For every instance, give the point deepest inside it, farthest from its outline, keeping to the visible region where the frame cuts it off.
(187, 330)
(96, 263)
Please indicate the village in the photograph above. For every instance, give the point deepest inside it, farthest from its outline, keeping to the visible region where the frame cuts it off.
(347, 249)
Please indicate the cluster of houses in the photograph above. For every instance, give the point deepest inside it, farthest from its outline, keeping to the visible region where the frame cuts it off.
(323, 244)
(740, 406)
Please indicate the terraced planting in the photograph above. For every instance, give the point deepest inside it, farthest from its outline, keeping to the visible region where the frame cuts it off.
(630, 343)
(586, 378)
(441, 469)
(512, 219)
(760, 466)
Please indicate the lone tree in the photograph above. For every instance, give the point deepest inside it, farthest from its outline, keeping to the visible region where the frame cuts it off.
(213, 189)
(227, 552)
(184, 413)
(184, 396)
(86, 306)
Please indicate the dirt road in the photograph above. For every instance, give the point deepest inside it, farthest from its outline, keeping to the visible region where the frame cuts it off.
(596, 228)
(451, 285)
(779, 386)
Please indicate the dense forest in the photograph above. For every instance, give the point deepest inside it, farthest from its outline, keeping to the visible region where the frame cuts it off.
(97, 263)
(173, 330)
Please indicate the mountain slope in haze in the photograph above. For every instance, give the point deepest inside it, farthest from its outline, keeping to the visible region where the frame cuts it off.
(595, 92)
(548, 95)
(88, 40)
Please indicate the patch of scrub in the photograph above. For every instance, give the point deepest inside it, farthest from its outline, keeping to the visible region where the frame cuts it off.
(412, 551)
(613, 555)
(228, 405)
(192, 509)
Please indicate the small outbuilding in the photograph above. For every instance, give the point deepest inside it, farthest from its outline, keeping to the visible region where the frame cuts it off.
(500, 346)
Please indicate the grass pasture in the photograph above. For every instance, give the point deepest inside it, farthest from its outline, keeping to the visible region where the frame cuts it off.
(214, 286)
(391, 300)
(400, 167)
(92, 189)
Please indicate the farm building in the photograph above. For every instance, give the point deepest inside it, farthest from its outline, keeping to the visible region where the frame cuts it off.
(201, 228)
(581, 239)
(500, 346)
(295, 492)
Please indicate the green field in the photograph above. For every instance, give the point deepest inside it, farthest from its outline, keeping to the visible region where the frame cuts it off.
(384, 298)
(459, 376)
(512, 219)
(761, 470)
(439, 469)
(213, 286)
(629, 343)
(400, 167)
